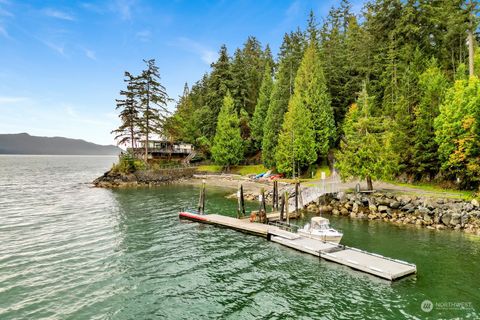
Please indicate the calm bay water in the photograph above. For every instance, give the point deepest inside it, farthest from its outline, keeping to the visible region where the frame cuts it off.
(70, 251)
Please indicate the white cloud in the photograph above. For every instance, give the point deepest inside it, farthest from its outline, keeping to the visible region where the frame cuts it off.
(90, 54)
(3, 32)
(206, 54)
(123, 8)
(293, 10)
(60, 49)
(54, 13)
(11, 100)
(144, 35)
(5, 13)
(91, 7)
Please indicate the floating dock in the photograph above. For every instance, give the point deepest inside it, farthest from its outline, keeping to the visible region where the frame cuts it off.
(380, 266)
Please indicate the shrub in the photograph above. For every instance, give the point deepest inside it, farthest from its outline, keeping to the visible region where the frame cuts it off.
(128, 164)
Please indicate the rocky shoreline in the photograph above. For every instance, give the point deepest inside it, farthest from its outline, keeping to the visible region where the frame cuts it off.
(143, 178)
(431, 213)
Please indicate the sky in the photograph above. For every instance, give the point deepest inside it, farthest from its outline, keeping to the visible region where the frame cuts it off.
(62, 62)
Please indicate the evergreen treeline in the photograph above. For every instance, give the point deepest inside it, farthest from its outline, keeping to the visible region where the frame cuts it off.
(388, 90)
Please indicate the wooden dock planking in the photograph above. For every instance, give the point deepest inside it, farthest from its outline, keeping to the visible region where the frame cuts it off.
(229, 222)
(371, 263)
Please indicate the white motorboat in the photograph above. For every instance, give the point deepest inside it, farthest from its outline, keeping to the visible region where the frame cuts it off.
(319, 228)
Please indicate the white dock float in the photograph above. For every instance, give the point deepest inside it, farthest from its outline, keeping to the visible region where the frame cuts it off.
(380, 266)
(375, 264)
(308, 245)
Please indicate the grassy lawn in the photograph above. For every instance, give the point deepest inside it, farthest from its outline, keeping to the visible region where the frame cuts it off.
(436, 190)
(317, 176)
(242, 170)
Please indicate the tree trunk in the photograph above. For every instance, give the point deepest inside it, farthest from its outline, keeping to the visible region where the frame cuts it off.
(147, 124)
(132, 142)
(369, 183)
(470, 43)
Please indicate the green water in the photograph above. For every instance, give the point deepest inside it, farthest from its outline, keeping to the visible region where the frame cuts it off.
(69, 251)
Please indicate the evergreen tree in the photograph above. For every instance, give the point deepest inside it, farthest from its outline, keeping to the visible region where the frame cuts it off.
(335, 60)
(261, 108)
(247, 72)
(432, 84)
(152, 98)
(290, 56)
(227, 145)
(365, 152)
(457, 132)
(311, 91)
(219, 83)
(296, 142)
(127, 132)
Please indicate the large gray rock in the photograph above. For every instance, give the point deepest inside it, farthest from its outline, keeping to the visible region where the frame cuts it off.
(429, 203)
(341, 196)
(475, 203)
(456, 219)
(384, 201)
(355, 208)
(446, 217)
(404, 199)
(409, 207)
(468, 207)
(424, 210)
(383, 209)
(395, 205)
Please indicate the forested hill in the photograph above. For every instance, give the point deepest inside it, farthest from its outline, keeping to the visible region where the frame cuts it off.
(23, 143)
(393, 91)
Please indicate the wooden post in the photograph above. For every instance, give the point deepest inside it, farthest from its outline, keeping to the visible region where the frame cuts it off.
(276, 195)
(300, 197)
(273, 196)
(286, 207)
(201, 200)
(241, 203)
(296, 198)
(282, 207)
(263, 208)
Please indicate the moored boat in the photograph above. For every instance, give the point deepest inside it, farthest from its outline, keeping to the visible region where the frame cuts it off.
(319, 228)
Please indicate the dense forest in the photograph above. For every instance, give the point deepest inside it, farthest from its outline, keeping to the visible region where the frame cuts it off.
(391, 92)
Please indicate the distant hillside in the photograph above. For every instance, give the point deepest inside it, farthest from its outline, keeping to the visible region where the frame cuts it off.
(23, 143)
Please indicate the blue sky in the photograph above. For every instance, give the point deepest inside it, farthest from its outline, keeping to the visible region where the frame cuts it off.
(62, 62)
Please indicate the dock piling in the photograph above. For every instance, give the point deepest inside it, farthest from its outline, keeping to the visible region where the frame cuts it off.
(287, 214)
(296, 198)
(201, 200)
(275, 197)
(263, 208)
(241, 203)
(282, 207)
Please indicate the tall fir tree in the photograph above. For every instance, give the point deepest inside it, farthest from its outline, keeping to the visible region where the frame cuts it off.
(311, 90)
(152, 98)
(365, 151)
(129, 114)
(261, 108)
(227, 147)
(296, 142)
(218, 84)
(290, 55)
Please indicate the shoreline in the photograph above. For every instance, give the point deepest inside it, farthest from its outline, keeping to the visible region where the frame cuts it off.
(395, 205)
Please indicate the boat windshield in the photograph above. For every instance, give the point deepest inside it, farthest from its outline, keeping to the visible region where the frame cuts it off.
(320, 225)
